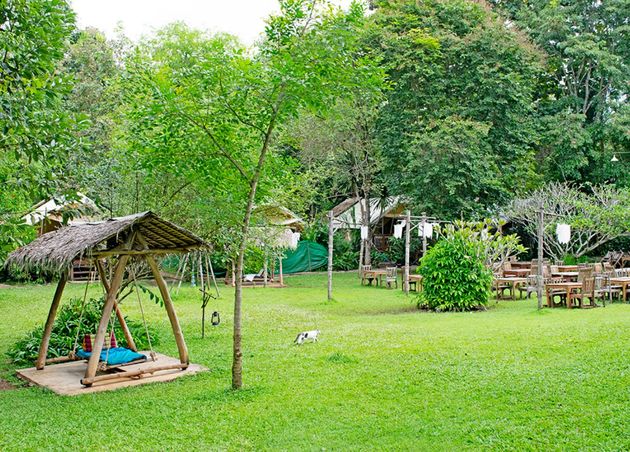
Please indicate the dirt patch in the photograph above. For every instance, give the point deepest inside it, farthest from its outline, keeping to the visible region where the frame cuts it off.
(5, 286)
(6, 386)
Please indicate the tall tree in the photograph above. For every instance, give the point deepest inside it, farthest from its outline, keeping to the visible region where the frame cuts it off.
(35, 129)
(585, 84)
(209, 109)
(455, 60)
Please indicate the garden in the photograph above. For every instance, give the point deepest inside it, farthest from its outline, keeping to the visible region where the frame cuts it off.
(397, 225)
(383, 375)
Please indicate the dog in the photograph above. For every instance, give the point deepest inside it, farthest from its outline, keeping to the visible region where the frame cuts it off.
(305, 336)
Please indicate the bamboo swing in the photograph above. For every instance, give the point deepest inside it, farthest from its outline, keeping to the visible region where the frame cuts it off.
(139, 237)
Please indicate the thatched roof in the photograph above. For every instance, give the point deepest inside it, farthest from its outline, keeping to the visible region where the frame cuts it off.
(55, 251)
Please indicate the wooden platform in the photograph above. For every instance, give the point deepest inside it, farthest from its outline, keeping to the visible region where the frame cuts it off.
(65, 379)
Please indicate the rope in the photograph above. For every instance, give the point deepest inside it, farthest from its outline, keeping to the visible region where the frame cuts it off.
(76, 337)
(144, 321)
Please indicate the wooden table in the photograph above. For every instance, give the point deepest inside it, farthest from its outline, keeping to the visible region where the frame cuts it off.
(376, 274)
(567, 276)
(415, 278)
(522, 272)
(514, 281)
(567, 286)
(568, 268)
(622, 281)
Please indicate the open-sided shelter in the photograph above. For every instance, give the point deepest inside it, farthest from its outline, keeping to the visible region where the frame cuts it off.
(139, 236)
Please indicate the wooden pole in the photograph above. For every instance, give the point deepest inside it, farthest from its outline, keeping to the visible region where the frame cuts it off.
(179, 285)
(265, 267)
(361, 248)
(407, 248)
(119, 272)
(539, 282)
(281, 274)
(202, 282)
(330, 253)
(170, 310)
(50, 321)
(214, 279)
(119, 315)
(424, 237)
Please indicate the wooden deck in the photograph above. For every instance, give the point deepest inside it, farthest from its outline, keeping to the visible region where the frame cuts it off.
(65, 379)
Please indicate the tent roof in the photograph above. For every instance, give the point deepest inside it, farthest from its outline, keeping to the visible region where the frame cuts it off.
(55, 251)
(55, 208)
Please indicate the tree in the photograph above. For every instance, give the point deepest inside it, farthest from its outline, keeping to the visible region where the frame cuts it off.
(35, 129)
(342, 147)
(454, 68)
(597, 214)
(33, 35)
(585, 83)
(199, 102)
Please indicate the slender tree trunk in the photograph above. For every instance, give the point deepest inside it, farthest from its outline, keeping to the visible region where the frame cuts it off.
(237, 355)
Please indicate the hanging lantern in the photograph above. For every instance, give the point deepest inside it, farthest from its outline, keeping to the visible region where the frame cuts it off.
(428, 230)
(563, 232)
(216, 319)
(364, 233)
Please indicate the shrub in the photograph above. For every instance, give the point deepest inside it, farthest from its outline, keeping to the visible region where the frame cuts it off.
(455, 276)
(65, 329)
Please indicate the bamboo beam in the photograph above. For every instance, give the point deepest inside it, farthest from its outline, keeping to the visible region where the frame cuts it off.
(170, 310)
(131, 374)
(107, 312)
(119, 315)
(101, 254)
(50, 321)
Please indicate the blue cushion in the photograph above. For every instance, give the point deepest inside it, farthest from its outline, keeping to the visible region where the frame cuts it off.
(118, 355)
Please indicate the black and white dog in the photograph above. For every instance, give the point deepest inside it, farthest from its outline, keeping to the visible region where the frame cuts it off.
(305, 336)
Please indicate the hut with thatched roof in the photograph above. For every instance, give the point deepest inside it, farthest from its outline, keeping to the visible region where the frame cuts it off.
(119, 240)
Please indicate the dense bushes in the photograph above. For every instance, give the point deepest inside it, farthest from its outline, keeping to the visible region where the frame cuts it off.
(65, 331)
(454, 273)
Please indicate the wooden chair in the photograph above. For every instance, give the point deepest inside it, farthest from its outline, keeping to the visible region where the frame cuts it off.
(605, 290)
(500, 287)
(562, 294)
(531, 285)
(364, 270)
(391, 277)
(587, 291)
(585, 273)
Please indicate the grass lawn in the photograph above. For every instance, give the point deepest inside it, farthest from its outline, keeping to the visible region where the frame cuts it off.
(383, 376)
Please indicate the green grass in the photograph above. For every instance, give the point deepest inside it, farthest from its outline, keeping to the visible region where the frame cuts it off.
(383, 376)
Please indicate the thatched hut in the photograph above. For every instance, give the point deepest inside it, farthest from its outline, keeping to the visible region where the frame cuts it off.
(139, 236)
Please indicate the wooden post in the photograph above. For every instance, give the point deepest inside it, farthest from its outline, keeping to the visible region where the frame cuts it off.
(119, 272)
(119, 315)
(539, 282)
(201, 281)
(265, 267)
(214, 279)
(50, 321)
(280, 268)
(330, 253)
(424, 237)
(407, 247)
(361, 248)
(170, 310)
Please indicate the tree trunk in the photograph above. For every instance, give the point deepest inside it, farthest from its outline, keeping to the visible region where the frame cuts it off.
(237, 354)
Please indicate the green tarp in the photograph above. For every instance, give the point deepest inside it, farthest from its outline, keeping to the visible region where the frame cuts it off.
(308, 256)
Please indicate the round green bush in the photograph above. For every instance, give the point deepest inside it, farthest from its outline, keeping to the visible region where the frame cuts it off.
(454, 275)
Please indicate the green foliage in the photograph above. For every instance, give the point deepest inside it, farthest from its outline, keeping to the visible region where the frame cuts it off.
(64, 332)
(597, 214)
(455, 277)
(457, 131)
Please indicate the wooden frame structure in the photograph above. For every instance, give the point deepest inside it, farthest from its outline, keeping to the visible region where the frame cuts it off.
(140, 236)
